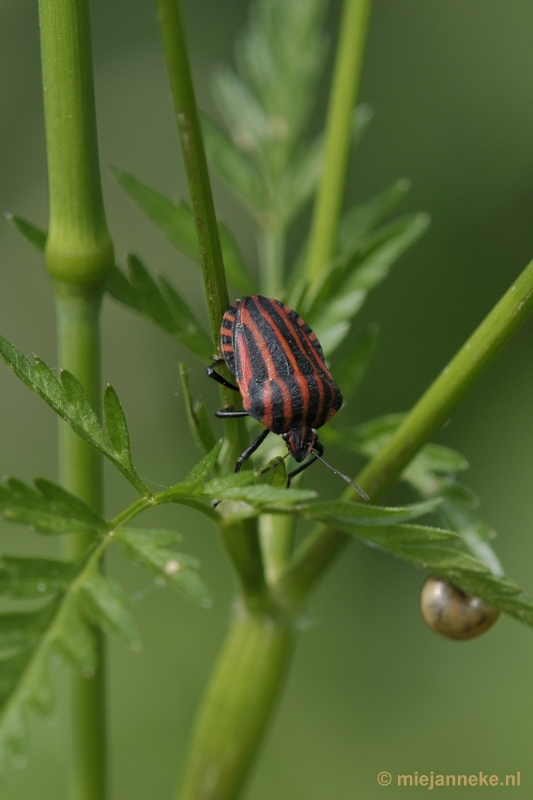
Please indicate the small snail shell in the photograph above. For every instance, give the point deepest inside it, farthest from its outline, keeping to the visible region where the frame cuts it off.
(454, 613)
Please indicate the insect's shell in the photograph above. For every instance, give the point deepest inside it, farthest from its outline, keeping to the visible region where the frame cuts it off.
(279, 365)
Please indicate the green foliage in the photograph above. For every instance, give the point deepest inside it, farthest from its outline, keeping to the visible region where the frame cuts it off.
(464, 556)
(31, 232)
(266, 104)
(105, 604)
(76, 595)
(68, 399)
(151, 549)
(262, 154)
(350, 362)
(345, 286)
(48, 508)
(161, 303)
(197, 416)
(176, 222)
(206, 465)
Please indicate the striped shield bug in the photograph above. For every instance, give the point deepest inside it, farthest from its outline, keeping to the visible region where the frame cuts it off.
(281, 375)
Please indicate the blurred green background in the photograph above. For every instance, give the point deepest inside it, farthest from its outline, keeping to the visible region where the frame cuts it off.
(371, 687)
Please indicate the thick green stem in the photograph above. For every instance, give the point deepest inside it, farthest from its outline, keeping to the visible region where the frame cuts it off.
(79, 253)
(241, 542)
(339, 136)
(78, 248)
(242, 693)
(425, 419)
(277, 533)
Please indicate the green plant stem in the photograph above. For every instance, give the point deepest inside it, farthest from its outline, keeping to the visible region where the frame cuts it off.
(78, 247)
(241, 542)
(181, 85)
(78, 255)
(339, 135)
(237, 538)
(78, 309)
(425, 419)
(277, 538)
(237, 707)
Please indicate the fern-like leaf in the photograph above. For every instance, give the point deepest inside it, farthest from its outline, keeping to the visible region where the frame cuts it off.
(68, 399)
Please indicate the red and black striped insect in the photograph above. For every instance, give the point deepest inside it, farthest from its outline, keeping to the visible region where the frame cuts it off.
(281, 375)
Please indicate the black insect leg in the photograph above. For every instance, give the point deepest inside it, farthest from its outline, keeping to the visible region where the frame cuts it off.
(230, 413)
(320, 450)
(251, 449)
(216, 377)
(296, 472)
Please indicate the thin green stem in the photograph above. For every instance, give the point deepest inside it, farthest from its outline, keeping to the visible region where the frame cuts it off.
(239, 703)
(181, 85)
(78, 255)
(425, 419)
(78, 309)
(237, 538)
(339, 136)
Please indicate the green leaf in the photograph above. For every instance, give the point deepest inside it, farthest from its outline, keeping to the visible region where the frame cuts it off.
(148, 547)
(347, 284)
(36, 236)
(475, 534)
(75, 640)
(436, 551)
(340, 512)
(274, 473)
(175, 220)
(431, 473)
(359, 222)
(249, 487)
(300, 179)
(49, 508)
(350, 366)
(248, 123)
(234, 166)
(424, 472)
(25, 577)
(261, 495)
(238, 275)
(280, 55)
(115, 422)
(199, 423)
(85, 415)
(205, 466)
(68, 399)
(362, 117)
(161, 304)
(24, 679)
(107, 605)
(61, 627)
(187, 328)
(217, 486)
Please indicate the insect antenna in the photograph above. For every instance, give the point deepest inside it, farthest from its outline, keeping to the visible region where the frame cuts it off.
(344, 477)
